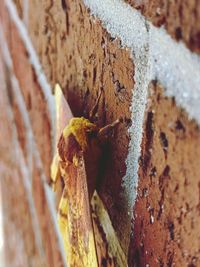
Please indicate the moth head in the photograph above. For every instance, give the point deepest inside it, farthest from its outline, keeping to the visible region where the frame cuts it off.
(80, 128)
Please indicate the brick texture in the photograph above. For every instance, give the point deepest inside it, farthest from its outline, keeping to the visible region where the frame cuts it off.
(179, 18)
(166, 228)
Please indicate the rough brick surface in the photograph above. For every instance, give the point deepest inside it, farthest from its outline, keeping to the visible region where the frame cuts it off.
(180, 18)
(166, 227)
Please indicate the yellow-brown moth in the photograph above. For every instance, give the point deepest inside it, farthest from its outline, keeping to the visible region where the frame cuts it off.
(73, 172)
(109, 251)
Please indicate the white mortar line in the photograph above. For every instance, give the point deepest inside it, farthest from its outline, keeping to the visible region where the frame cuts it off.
(130, 180)
(172, 63)
(26, 12)
(28, 188)
(156, 56)
(25, 117)
(46, 89)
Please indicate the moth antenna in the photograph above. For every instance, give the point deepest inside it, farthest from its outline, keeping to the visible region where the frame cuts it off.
(95, 107)
(105, 132)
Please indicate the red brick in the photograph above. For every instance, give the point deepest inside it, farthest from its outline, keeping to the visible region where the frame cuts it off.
(166, 225)
(179, 18)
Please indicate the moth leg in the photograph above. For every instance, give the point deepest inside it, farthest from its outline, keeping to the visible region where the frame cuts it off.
(107, 130)
(95, 107)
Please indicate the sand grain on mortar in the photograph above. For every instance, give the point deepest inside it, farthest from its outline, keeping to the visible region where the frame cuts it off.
(167, 207)
(180, 18)
(80, 55)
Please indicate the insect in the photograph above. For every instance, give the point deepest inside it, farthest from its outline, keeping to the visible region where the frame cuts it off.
(76, 163)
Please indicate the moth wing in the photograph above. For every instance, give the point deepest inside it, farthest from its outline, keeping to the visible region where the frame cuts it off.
(75, 216)
(63, 116)
(63, 111)
(109, 250)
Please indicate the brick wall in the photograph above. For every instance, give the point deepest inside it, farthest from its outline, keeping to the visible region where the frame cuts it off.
(149, 76)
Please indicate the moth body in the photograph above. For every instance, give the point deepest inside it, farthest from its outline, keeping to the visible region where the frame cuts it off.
(74, 173)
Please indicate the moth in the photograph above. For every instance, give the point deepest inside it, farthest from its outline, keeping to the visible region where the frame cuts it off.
(73, 172)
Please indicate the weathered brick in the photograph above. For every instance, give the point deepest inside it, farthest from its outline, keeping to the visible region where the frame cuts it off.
(166, 225)
(180, 18)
